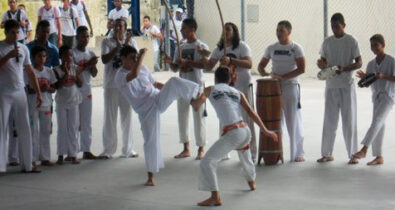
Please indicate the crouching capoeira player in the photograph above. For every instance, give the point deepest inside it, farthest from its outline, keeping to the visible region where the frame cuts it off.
(191, 68)
(149, 99)
(340, 50)
(14, 58)
(228, 103)
(383, 95)
(287, 64)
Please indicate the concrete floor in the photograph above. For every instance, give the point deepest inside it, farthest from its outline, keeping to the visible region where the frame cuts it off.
(117, 183)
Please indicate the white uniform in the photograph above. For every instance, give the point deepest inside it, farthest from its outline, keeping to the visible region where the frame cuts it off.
(156, 42)
(22, 17)
(226, 102)
(51, 16)
(283, 62)
(40, 118)
(68, 98)
(340, 94)
(113, 100)
(243, 83)
(81, 9)
(383, 96)
(13, 97)
(68, 20)
(119, 13)
(189, 52)
(149, 102)
(80, 58)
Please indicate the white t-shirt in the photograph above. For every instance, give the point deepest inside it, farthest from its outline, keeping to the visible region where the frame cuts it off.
(387, 67)
(140, 92)
(284, 58)
(112, 66)
(80, 58)
(69, 94)
(243, 74)
(11, 74)
(340, 52)
(47, 75)
(116, 14)
(81, 9)
(67, 19)
(23, 18)
(189, 52)
(50, 15)
(155, 30)
(226, 102)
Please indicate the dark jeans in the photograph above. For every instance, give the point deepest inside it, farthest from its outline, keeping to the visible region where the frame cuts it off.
(53, 38)
(172, 48)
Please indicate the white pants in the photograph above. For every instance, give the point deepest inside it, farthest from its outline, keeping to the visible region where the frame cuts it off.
(248, 92)
(86, 124)
(13, 155)
(15, 100)
(382, 105)
(67, 130)
(293, 119)
(199, 123)
(156, 60)
(343, 100)
(113, 100)
(174, 89)
(233, 139)
(41, 128)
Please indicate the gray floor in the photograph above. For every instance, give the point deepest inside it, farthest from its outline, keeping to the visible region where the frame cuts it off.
(117, 183)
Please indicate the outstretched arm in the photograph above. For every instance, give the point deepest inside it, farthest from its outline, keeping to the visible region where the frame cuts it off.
(254, 116)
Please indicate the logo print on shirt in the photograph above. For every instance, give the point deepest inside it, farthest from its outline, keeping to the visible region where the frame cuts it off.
(188, 54)
(282, 52)
(217, 95)
(70, 80)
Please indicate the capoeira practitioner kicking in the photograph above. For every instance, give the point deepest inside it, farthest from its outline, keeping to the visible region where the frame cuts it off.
(113, 99)
(340, 50)
(191, 68)
(383, 96)
(14, 58)
(287, 64)
(149, 99)
(228, 103)
(239, 54)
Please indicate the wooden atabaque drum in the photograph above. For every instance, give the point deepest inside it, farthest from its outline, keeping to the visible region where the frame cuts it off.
(269, 108)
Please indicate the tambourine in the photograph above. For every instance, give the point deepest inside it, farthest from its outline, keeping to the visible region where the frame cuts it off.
(327, 73)
(367, 80)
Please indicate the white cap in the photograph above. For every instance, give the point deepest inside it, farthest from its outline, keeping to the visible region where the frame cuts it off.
(180, 10)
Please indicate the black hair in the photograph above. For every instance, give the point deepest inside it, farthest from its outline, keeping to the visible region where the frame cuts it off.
(190, 23)
(36, 50)
(126, 50)
(122, 20)
(42, 24)
(339, 18)
(22, 5)
(378, 38)
(286, 24)
(63, 49)
(147, 17)
(11, 24)
(236, 37)
(222, 74)
(81, 29)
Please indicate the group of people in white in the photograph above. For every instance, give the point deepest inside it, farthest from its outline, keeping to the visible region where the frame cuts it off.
(30, 74)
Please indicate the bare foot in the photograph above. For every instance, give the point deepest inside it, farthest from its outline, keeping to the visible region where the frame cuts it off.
(47, 163)
(353, 160)
(89, 156)
(149, 183)
(252, 185)
(325, 159)
(183, 154)
(376, 161)
(13, 164)
(200, 153)
(74, 160)
(210, 202)
(68, 159)
(60, 160)
(359, 155)
(299, 159)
